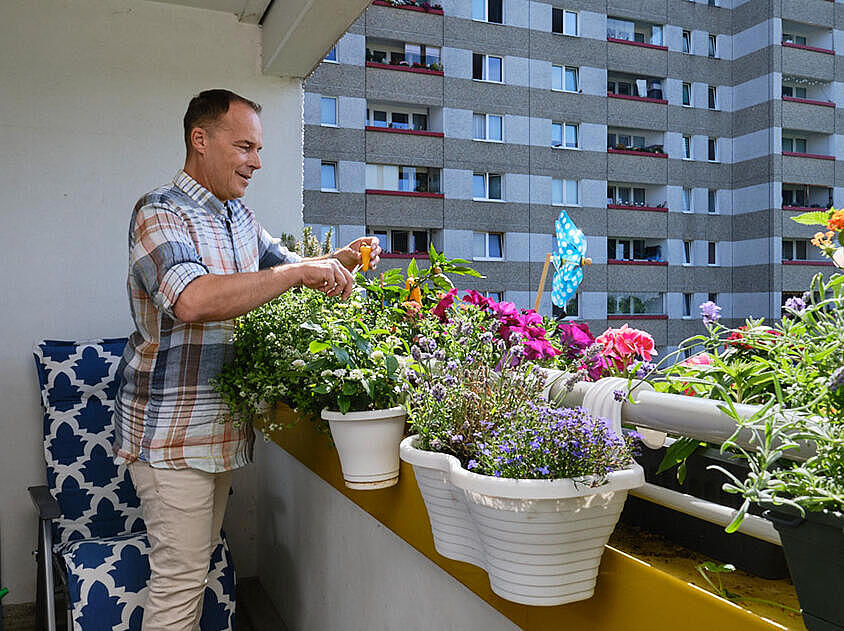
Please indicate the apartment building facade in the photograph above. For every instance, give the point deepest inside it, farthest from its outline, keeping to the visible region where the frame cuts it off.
(680, 136)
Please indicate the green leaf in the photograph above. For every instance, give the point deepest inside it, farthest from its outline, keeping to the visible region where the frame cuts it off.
(348, 388)
(320, 389)
(412, 269)
(432, 253)
(442, 282)
(368, 386)
(681, 472)
(813, 218)
(310, 326)
(316, 346)
(392, 365)
(677, 452)
(344, 403)
(341, 354)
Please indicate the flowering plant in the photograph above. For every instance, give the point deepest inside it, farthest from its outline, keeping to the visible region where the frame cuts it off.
(471, 395)
(624, 346)
(833, 221)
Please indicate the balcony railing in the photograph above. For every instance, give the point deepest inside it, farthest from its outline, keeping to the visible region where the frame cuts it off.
(411, 5)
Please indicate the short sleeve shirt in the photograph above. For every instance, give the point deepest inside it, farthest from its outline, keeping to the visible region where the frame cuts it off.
(166, 411)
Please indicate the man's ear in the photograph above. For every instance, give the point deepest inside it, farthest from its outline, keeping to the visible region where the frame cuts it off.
(199, 140)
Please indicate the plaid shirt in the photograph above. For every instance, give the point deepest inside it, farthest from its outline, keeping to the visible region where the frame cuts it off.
(166, 413)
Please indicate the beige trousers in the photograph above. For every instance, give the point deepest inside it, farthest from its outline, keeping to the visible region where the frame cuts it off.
(183, 510)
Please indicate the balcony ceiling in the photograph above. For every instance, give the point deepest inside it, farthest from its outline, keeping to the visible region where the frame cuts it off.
(296, 34)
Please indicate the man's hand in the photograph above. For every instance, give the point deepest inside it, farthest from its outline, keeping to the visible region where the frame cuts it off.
(326, 275)
(350, 255)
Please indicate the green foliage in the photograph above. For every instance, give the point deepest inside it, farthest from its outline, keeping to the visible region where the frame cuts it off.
(814, 218)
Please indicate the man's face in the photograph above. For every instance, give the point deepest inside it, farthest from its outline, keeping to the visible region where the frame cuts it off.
(231, 155)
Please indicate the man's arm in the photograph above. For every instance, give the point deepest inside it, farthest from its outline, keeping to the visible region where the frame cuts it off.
(215, 297)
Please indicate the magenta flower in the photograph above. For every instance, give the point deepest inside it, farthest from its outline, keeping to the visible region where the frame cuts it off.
(442, 306)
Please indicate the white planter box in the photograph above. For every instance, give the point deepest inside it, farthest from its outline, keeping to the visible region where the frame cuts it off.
(368, 445)
(540, 541)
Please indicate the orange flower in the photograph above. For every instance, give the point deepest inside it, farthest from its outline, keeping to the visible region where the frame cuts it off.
(836, 222)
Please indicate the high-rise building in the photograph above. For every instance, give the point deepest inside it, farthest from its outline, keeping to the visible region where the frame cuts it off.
(681, 137)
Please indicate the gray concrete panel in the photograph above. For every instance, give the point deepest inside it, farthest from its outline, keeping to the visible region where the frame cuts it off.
(333, 143)
(482, 37)
(644, 169)
(567, 164)
(637, 59)
(699, 226)
(692, 69)
(566, 105)
(383, 84)
(700, 121)
(758, 117)
(799, 277)
(678, 330)
(756, 64)
(637, 223)
(466, 214)
(645, 10)
(394, 210)
(808, 117)
(808, 11)
(793, 230)
(489, 157)
(338, 79)
(657, 329)
(762, 223)
(408, 26)
(808, 171)
(712, 279)
(752, 13)
(392, 148)
(807, 63)
(334, 208)
(592, 221)
(699, 174)
(636, 114)
(572, 51)
(492, 97)
(597, 6)
(501, 275)
(636, 278)
(359, 25)
(757, 171)
(701, 16)
(753, 278)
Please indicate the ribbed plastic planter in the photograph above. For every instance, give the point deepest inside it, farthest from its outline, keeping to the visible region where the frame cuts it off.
(368, 445)
(540, 541)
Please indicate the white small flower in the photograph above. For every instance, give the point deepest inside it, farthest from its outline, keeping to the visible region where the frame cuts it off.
(340, 373)
(298, 363)
(356, 374)
(377, 355)
(326, 373)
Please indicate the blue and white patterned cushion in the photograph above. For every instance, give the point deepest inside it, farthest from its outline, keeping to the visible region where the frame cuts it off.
(107, 582)
(78, 386)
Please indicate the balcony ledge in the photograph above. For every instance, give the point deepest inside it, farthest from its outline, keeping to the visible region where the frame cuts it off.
(378, 191)
(408, 7)
(625, 262)
(637, 317)
(802, 209)
(795, 99)
(630, 97)
(810, 263)
(616, 40)
(815, 49)
(373, 64)
(630, 152)
(412, 132)
(816, 156)
(653, 209)
(400, 255)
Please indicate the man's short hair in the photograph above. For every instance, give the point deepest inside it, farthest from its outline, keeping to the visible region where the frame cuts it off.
(206, 108)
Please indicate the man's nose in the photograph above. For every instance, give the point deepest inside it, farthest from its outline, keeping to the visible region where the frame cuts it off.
(255, 160)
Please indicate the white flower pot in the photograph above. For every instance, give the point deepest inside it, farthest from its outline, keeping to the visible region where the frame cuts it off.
(368, 445)
(540, 541)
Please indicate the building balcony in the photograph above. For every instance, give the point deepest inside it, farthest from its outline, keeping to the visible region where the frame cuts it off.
(411, 5)
(403, 56)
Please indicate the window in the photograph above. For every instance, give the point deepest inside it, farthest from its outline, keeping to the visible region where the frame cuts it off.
(633, 250)
(417, 54)
(712, 93)
(402, 241)
(486, 186)
(565, 135)
(687, 94)
(688, 201)
(572, 79)
(625, 195)
(687, 305)
(564, 22)
(793, 38)
(794, 91)
(556, 77)
(488, 245)
(687, 42)
(635, 304)
(713, 297)
(712, 258)
(397, 120)
(712, 201)
(713, 46)
(487, 11)
(571, 310)
(795, 145)
(487, 68)
(795, 196)
(332, 54)
(624, 141)
(687, 252)
(328, 114)
(565, 192)
(402, 178)
(794, 250)
(487, 127)
(497, 296)
(565, 78)
(328, 176)
(712, 149)
(687, 147)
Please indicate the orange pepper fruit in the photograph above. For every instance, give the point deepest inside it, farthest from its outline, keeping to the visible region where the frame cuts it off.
(415, 291)
(365, 250)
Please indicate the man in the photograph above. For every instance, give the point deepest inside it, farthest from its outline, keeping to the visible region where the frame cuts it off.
(198, 259)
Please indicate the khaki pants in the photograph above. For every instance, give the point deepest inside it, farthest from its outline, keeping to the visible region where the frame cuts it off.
(183, 510)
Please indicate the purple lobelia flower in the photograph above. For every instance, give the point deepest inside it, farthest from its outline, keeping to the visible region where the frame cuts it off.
(795, 304)
(710, 312)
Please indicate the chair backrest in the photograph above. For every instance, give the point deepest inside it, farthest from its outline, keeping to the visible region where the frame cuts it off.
(78, 386)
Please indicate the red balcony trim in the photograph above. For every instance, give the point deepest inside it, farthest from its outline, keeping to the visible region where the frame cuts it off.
(809, 101)
(381, 3)
(816, 156)
(803, 209)
(630, 152)
(653, 209)
(415, 255)
(615, 40)
(636, 317)
(372, 64)
(413, 132)
(815, 49)
(630, 97)
(821, 263)
(378, 191)
(624, 262)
